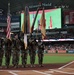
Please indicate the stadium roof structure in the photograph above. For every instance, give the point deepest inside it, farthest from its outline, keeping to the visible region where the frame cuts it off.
(18, 5)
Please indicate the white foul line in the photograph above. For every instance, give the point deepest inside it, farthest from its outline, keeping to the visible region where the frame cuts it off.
(12, 73)
(41, 72)
(66, 65)
(62, 72)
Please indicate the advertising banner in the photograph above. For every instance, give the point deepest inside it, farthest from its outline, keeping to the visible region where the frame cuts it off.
(51, 51)
(61, 51)
(70, 51)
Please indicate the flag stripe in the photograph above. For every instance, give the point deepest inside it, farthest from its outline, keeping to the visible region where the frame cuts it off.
(8, 27)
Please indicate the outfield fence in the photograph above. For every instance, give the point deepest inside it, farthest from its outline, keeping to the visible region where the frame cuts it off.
(61, 51)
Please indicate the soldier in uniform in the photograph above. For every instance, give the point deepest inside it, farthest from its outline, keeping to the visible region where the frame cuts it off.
(23, 53)
(32, 51)
(16, 50)
(40, 52)
(1, 50)
(8, 48)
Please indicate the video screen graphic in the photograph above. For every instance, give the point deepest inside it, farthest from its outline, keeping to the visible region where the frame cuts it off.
(52, 18)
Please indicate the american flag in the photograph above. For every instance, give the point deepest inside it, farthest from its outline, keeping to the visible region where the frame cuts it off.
(8, 36)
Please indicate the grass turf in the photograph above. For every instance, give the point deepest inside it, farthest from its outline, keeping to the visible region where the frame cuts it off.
(48, 58)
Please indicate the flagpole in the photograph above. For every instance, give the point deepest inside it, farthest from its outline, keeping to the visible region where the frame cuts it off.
(37, 29)
(25, 30)
(9, 8)
(34, 20)
(26, 25)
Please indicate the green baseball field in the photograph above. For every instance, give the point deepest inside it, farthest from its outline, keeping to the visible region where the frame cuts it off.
(48, 59)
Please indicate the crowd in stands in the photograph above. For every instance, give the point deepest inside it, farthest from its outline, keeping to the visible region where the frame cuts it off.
(61, 36)
(61, 47)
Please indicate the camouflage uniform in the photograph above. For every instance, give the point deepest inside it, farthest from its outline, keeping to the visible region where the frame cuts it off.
(32, 52)
(8, 45)
(16, 50)
(1, 50)
(40, 53)
(23, 54)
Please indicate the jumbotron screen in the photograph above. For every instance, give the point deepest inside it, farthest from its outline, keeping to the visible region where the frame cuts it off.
(52, 18)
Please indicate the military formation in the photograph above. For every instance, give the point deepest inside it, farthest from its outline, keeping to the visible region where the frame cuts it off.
(15, 48)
